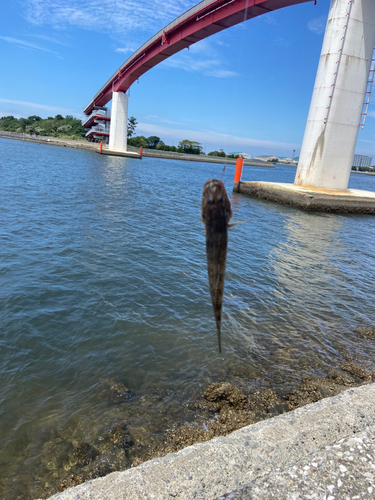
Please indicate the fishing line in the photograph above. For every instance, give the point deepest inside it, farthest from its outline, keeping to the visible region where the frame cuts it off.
(222, 175)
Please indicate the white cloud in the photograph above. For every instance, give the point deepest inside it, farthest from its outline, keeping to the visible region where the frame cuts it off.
(204, 66)
(162, 120)
(24, 108)
(24, 43)
(127, 49)
(270, 19)
(120, 17)
(225, 141)
(110, 16)
(282, 42)
(220, 42)
(201, 57)
(6, 113)
(318, 25)
(220, 73)
(59, 40)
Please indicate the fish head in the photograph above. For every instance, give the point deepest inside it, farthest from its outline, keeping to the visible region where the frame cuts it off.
(214, 197)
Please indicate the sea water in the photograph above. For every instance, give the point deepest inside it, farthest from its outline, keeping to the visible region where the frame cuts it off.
(105, 312)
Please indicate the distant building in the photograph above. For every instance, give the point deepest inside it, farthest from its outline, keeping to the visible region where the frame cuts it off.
(98, 124)
(245, 156)
(266, 158)
(285, 159)
(362, 161)
(277, 159)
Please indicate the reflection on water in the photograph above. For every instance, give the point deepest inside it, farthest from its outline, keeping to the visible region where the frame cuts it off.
(312, 244)
(106, 327)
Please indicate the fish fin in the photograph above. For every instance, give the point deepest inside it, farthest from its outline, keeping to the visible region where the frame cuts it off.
(232, 224)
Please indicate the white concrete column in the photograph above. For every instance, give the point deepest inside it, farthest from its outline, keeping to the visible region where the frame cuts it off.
(332, 126)
(118, 132)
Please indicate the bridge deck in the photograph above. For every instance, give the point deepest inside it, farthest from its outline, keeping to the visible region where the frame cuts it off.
(199, 22)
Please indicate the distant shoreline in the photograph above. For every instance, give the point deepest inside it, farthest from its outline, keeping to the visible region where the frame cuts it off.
(358, 172)
(149, 153)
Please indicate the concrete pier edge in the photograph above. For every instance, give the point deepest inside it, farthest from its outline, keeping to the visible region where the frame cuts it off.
(312, 199)
(150, 153)
(124, 154)
(311, 447)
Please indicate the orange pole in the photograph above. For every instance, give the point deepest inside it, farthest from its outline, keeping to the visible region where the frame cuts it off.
(140, 151)
(100, 146)
(238, 171)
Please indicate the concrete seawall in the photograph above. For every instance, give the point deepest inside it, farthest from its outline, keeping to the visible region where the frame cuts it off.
(324, 450)
(310, 198)
(151, 153)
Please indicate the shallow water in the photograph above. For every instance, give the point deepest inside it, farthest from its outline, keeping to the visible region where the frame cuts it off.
(104, 282)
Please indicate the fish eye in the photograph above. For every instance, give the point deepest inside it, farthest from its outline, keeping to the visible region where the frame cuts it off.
(210, 201)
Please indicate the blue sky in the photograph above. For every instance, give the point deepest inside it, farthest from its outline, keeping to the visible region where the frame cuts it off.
(245, 89)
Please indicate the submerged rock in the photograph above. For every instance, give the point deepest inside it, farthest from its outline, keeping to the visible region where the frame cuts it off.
(84, 454)
(119, 393)
(358, 371)
(118, 438)
(225, 392)
(220, 410)
(313, 389)
(71, 480)
(366, 332)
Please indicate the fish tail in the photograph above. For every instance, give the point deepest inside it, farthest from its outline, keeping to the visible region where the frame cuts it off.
(219, 334)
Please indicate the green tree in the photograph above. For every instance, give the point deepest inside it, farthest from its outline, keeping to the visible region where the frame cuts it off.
(190, 147)
(218, 153)
(9, 123)
(152, 141)
(132, 124)
(34, 118)
(161, 146)
(65, 127)
(138, 141)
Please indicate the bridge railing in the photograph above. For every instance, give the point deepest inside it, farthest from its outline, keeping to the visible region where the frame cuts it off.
(98, 128)
(99, 112)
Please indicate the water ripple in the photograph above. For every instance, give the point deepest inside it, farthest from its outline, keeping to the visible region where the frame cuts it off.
(103, 278)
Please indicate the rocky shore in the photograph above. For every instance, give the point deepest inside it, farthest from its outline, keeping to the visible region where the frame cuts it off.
(220, 410)
(324, 450)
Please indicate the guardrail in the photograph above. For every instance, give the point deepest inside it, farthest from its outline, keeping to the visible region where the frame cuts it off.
(19, 135)
(103, 114)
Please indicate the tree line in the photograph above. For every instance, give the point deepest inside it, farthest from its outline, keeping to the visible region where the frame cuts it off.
(363, 169)
(71, 128)
(154, 142)
(57, 126)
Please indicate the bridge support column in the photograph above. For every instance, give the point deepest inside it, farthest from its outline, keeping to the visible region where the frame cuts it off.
(332, 126)
(118, 132)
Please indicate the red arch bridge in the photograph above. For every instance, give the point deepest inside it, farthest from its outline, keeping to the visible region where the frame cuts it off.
(341, 93)
(201, 21)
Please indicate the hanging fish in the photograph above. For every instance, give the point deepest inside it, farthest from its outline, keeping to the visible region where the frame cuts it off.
(216, 214)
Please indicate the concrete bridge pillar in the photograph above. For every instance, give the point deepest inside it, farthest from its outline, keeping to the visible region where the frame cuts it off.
(118, 132)
(333, 122)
